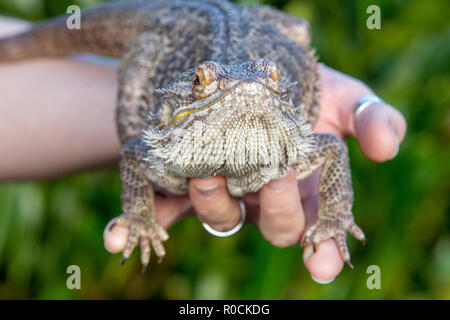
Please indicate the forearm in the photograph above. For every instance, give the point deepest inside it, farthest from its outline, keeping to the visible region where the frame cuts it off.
(56, 116)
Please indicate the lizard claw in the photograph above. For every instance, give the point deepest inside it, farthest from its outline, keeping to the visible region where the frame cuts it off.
(143, 231)
(349, 264)
(332, 227)
(307, 242)
(112, 225)
(144, 267)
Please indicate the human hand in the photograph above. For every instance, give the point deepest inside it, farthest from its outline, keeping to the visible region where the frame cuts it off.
(283, 209)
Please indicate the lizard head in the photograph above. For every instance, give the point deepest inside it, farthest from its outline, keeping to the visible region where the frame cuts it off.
(228, 120)
(251, 88)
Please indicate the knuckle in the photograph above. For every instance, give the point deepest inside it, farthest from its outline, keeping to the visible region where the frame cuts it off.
(282, 209)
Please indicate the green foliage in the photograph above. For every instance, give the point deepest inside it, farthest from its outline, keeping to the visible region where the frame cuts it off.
(403, 204)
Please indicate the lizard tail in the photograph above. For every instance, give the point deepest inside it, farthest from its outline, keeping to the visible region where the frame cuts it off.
(40, 41)
(105, 30)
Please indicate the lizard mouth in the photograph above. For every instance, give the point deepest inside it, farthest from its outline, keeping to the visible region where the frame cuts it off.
(234, 145)
(216, 98)
(210, 101)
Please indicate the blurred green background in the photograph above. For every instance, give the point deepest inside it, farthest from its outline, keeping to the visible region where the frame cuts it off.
(403, 204)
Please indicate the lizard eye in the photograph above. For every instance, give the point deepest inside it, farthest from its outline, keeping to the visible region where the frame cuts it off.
(205, 81)
(272, 71)
(196, 81)
(274, 76)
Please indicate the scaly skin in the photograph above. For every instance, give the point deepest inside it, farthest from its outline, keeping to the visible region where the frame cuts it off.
(238, 96)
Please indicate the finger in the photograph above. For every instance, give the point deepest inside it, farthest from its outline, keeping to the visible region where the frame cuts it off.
(168, 211)
(213, 204)
(281, 219)
(324, 264)
(379, 129)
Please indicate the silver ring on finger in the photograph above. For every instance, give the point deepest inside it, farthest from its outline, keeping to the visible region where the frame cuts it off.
(364, 102)
(223, 234)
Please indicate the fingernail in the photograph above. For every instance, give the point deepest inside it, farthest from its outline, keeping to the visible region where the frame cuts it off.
(279, 185)
(395, 134)
(397, 145)
(207, 189)
(323, 282)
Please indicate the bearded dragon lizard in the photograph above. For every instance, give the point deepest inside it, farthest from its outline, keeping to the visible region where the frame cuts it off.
(207, 88)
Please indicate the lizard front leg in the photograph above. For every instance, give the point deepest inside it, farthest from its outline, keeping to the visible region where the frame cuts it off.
(136, 80)
(335, 193)
(138, 204)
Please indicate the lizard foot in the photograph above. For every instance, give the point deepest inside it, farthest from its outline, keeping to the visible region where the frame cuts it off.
(333, 227)
(143, 231)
